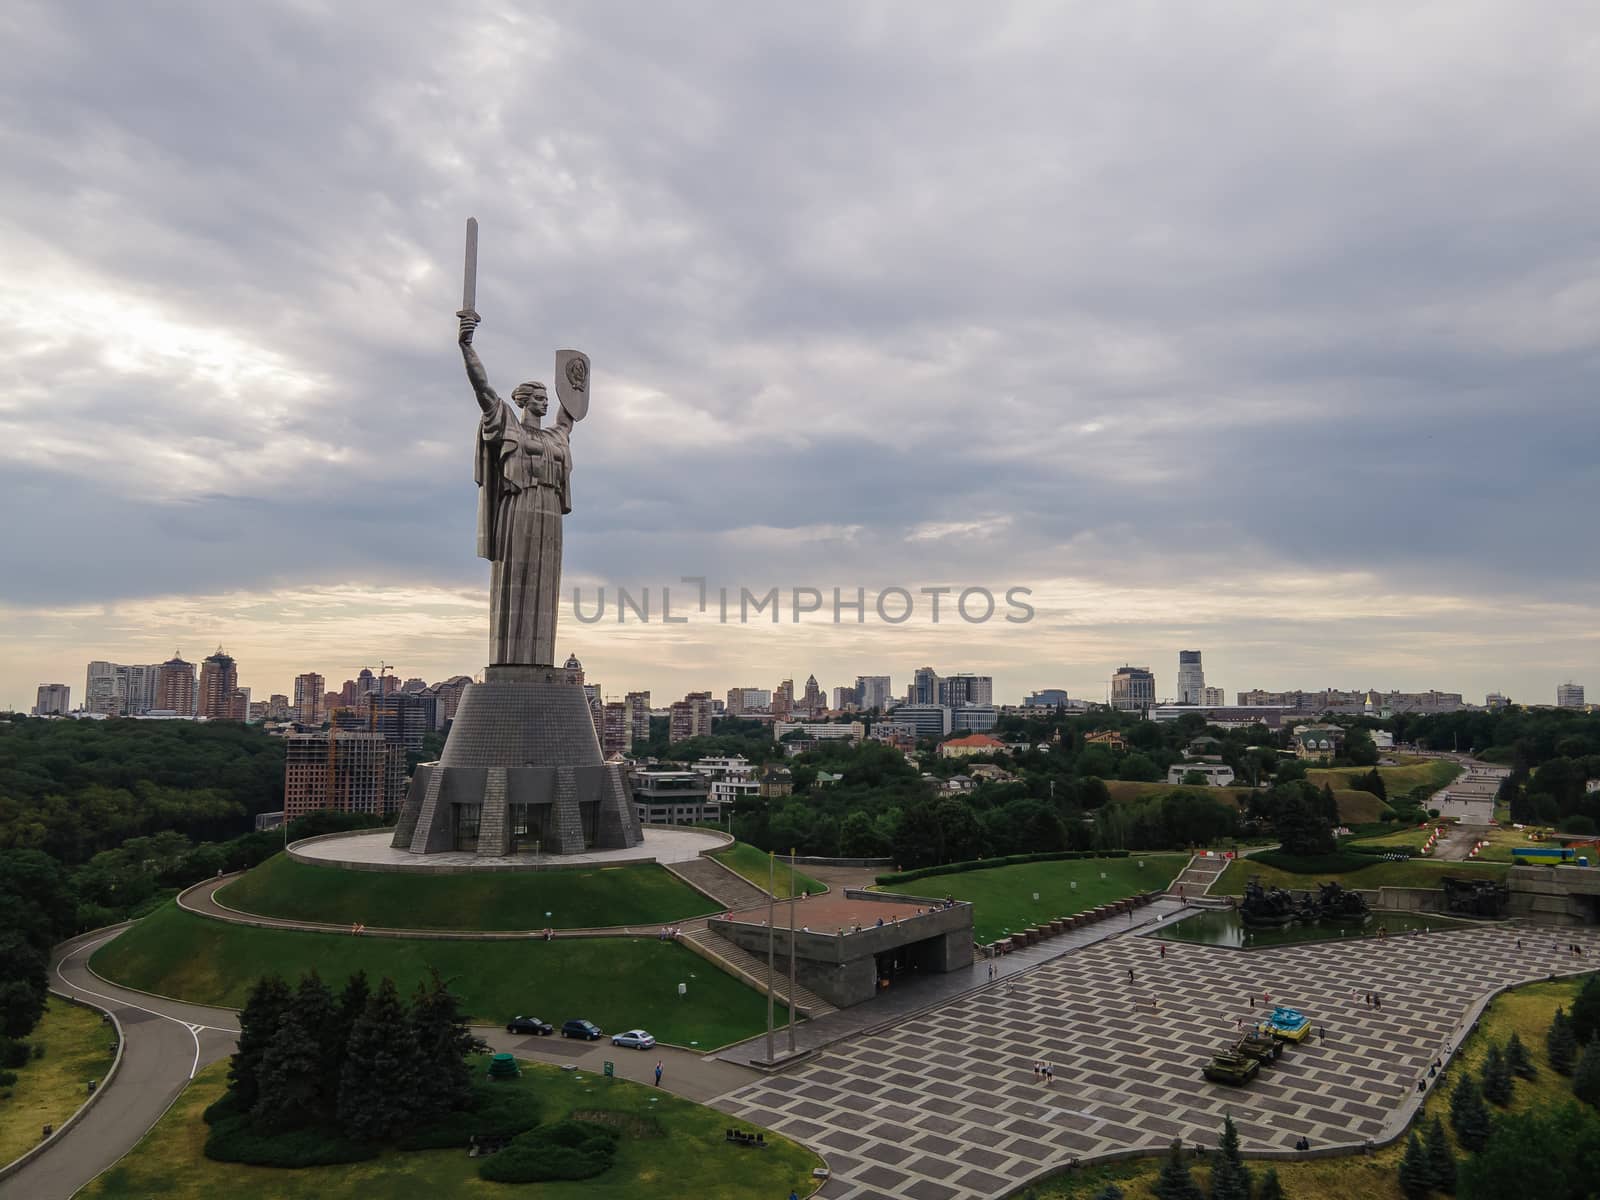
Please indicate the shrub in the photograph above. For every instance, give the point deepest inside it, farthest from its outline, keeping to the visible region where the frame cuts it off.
(1340, 862)
(7, 1078)
(497, 1111)
(983, 864)
(13, 1053)
(234, 1139)
(565, 1150)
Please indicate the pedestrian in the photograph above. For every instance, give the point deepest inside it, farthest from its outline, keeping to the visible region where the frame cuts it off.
(1252, 1000)
(1038, 1070)
(1049, 1073)
(658, 1072)
(1163, 949)
(1238, 1023)
(1130, 974)
(1377, 1001)
(1519, 943)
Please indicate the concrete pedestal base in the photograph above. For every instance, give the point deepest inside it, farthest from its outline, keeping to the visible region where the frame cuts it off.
(522, 753)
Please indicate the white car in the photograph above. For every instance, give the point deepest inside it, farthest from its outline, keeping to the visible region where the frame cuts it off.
(637, 1038)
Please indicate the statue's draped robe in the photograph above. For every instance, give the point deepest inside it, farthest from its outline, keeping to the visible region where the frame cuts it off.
(524, 488)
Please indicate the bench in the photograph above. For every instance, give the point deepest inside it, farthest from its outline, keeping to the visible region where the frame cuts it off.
(739, 1138)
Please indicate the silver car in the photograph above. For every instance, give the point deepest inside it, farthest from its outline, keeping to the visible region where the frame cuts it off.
(637, 1038)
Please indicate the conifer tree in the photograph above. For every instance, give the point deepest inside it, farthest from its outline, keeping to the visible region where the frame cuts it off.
(291, 1078)
(258, 1022)
(1110, 1192)
(1175, 1182)
(1586, 1078)
(1519, 1060)
(1496, 1076)
(1416, 1180)
(352, 1003)
(1560, 1044)
(1441, 1158)
(1230, 1178)
(1270, 1188)
(1469, 1115)
(380, 1087)
(443, 1042)
(1585, 1015)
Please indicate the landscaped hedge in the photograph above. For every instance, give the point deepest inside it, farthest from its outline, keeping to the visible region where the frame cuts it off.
(1340, 862)
(1388, 852)
(565, 1150)
(983, 864)
(233, 1139)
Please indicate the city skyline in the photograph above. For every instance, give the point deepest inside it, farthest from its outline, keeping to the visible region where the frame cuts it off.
(1193, 377)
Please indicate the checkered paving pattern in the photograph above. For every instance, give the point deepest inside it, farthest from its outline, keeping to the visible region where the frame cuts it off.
(946, 1107)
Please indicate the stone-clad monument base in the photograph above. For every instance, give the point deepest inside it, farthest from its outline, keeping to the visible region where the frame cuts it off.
(521, 770)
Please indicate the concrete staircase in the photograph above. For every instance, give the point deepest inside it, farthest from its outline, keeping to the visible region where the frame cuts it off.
(753, 970)
(1196, 878)
(710, 878)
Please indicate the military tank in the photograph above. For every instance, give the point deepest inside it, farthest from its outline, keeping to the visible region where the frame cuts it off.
(1230, 1068)
(1262, 1047)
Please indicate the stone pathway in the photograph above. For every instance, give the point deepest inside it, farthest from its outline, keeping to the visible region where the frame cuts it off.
(945, 1106)
(724, 885)
(1196, 878)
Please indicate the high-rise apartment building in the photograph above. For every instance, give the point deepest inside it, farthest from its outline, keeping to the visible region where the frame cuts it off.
(1213, 697)
(690, 717)
(121, 690)
(873, 692)
(845, 698)
(743, 700)
(782, 705)
(813, 700)
(344, 772)
(449, 695)
(924, 687)
(954, 691)
(309, 696)
(217, 698)
(278, 707)
(614, 729)
(403, 717)
(1133, 689)
(100, 689)
(637, 706)
(1569, 695)
(1191, 677)
(54, 700)
(175, 686)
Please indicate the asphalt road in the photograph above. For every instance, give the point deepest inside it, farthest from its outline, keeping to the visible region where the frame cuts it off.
(165, 1044)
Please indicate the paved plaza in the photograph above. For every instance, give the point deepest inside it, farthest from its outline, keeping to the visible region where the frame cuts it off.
(662, 844)
(946, 1106)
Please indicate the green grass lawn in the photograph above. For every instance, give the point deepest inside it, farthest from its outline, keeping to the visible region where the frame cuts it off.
(49, 1089)
(1525, 1011)
(1002, 897)
(645, 895)
(618, 983)
(1410, 837)
(687, 1160)
(1417, 873)
(1436, 773)
(752, 864)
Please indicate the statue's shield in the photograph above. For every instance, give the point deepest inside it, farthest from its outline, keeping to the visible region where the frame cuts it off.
(572, 382)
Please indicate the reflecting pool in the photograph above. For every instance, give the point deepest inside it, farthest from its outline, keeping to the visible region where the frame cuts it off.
(1222, 927)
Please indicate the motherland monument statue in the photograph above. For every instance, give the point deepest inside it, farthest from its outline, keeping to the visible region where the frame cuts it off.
(521, 770)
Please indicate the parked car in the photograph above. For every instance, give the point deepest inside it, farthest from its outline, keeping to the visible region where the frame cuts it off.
(579, 1028)
(529, 1025)
(637, 1038)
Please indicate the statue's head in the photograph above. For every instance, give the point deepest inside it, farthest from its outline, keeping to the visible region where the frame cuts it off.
(531, 395)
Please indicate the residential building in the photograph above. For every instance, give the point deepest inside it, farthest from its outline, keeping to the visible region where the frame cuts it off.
(743, 700)
(1318, 741)
(873, 692)
(821, 731)
(636, 706)
(844, 699)
(100, 689)
(120, 690)
(615, 737)
(690, 717)
(414, 685)
(776, 782)
(309, 695)
(1569, 695)
(54, 700)
(1212, 697)
(1191, 677)
(366, 682)
(976, 743)
(974, 718)
(1494, 701)
(241, 704)
(1046, 698)
(957, 690)
(731, 780)
(344, 772)
(923, 720)
(782, 704)
(924, 687)
(1133, 689)
(1109, 739)
(1229, 716)
(449, 695)
(1216, 774)
(278, 707)
(175, 687)
(673, 797)
(217, 699)
(403, 717)
(812, 700)
(1298, 701)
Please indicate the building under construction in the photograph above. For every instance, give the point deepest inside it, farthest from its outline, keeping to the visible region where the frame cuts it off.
(343, 771)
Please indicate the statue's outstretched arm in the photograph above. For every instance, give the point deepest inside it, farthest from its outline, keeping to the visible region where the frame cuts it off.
(488, 400)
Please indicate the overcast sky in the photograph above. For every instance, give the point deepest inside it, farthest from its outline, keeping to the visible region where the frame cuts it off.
(1270, 330)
